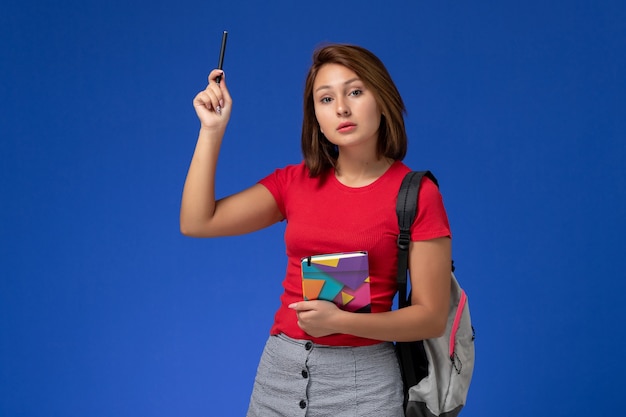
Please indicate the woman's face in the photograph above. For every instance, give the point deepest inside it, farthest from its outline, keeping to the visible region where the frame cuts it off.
(345, 108)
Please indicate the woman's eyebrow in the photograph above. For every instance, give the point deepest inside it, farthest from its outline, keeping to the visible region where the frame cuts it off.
(351, 80)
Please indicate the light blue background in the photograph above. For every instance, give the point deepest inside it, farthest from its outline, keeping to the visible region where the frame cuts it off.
(519, 108)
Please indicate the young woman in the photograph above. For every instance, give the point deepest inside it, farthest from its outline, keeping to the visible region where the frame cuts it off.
(321, 360)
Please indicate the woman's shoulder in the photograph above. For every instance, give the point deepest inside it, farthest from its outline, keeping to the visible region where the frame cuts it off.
(292, 170)
(428, 191)
(401, 169)
(287, 174)
(297, 169)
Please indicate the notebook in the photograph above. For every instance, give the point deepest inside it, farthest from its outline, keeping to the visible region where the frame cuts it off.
(342, 278)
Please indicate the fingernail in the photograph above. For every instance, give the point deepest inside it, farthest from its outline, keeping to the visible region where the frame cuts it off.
(218, 109)
(221, 103)
(292, 305)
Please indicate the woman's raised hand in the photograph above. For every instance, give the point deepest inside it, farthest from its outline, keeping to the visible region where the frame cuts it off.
(213, 104)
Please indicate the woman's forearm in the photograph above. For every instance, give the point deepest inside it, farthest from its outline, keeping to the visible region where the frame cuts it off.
(407, 324)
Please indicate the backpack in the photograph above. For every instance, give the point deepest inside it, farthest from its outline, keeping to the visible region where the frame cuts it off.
(436, 372)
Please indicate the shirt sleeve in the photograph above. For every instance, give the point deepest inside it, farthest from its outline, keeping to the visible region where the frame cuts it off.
(279, 181)
(432, 220)
(273, 183)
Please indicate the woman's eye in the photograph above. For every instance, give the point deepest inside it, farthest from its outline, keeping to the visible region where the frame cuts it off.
(325, 100)
(356, 92)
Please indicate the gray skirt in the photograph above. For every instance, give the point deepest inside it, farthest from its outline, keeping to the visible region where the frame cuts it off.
(301, 378)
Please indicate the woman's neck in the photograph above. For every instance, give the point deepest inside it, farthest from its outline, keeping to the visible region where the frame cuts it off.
(359, 172)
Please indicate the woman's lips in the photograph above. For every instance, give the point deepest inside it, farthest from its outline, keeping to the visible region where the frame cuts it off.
(346, 127)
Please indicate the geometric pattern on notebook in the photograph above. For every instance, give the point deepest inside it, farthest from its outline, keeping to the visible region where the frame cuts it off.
(344, 281)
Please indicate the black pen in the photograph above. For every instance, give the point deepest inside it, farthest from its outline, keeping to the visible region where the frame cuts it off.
(222, 51)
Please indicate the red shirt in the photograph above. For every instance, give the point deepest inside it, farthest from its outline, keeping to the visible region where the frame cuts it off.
(324, 216)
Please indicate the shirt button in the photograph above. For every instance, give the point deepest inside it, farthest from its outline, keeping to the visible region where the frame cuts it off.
(303, 404)
(305, 374)
(308, 345)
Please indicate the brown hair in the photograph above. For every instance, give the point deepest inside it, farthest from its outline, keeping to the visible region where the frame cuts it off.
(319, 154)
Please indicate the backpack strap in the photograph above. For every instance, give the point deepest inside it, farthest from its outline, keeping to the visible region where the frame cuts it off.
(406, 210)
(411, 355)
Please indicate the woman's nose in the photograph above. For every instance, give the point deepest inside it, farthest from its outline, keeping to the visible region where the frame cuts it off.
(342, 108)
